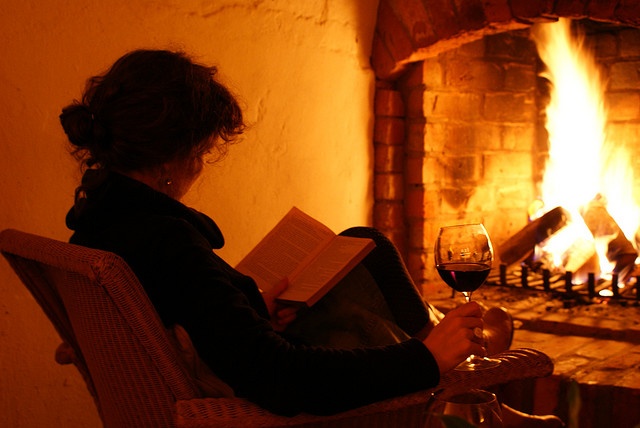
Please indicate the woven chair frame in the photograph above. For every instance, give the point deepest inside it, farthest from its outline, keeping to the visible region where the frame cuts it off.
(133, 372)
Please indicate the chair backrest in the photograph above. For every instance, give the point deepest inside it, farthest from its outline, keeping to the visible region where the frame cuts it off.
(99, 308)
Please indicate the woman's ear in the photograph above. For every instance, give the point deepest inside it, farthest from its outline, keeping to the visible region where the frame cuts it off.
(163, 175)
(175, 177)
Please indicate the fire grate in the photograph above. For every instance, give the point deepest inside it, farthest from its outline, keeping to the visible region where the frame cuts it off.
(563, 284)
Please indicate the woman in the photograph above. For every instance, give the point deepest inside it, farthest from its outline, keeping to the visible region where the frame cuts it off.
(144, 130)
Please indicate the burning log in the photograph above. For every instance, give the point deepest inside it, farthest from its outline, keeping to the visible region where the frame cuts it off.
(620, 250)
(523, 243)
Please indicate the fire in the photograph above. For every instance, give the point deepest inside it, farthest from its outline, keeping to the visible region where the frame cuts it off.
(576, 117)
(584, 164)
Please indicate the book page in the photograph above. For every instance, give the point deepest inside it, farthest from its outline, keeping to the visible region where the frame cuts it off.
(338, 258)
(294, 240)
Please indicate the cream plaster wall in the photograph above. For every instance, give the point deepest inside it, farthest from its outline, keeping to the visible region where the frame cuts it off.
(301, 69)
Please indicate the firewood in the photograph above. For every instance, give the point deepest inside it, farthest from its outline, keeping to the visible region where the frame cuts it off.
(620, 250)
(522, 244)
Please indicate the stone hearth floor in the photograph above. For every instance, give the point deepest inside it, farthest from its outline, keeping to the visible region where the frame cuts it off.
(596, 345)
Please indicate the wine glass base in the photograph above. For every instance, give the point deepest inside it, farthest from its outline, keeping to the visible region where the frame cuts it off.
(477, 363)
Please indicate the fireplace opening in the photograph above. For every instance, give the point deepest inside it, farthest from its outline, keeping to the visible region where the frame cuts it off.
(588, 182)
(475, 145)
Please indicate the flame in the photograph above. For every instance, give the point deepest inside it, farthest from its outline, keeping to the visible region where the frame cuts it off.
(583, 161)
(576, 117)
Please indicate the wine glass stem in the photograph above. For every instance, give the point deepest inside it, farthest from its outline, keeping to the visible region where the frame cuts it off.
(467, 296)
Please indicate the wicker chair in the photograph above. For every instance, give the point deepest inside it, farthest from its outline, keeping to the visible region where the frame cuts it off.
(113, 335)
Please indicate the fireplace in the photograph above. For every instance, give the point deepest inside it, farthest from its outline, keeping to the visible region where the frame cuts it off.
(459, 131)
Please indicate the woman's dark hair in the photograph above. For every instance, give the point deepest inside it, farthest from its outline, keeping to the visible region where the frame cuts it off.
(150, 107)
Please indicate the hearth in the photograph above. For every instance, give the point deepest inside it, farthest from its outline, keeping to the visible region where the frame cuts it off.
(595, 349)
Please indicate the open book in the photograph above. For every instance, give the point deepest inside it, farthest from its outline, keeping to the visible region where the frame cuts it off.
(306, 252)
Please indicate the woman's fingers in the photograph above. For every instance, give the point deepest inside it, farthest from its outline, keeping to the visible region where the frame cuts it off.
(287, 314)
(280, 287)
(270, 296)
(281, 316)
(457, 336)
(471, 309)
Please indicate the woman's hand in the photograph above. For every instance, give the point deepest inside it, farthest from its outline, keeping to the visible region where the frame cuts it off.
(281, 315)
(456, 336)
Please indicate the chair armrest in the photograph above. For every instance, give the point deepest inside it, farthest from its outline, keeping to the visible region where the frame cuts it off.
(516, 364)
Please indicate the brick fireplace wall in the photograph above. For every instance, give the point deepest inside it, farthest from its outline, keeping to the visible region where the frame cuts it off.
(458, 133)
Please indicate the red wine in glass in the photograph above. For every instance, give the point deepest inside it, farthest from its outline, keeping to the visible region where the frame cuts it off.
(464, 277)
(463, 256)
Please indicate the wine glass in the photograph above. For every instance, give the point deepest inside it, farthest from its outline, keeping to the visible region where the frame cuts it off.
(476, 407)
(463, 255)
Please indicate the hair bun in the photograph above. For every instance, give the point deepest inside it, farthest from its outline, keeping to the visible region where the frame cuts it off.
(77, 122)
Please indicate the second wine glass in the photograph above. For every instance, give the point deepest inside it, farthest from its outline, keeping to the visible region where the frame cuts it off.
(476, 407)
(463, 257)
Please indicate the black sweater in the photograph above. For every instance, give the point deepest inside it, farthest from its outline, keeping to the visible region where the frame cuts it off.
(170, 248)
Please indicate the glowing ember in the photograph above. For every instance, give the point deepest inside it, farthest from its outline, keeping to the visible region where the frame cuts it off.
(583, 163)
